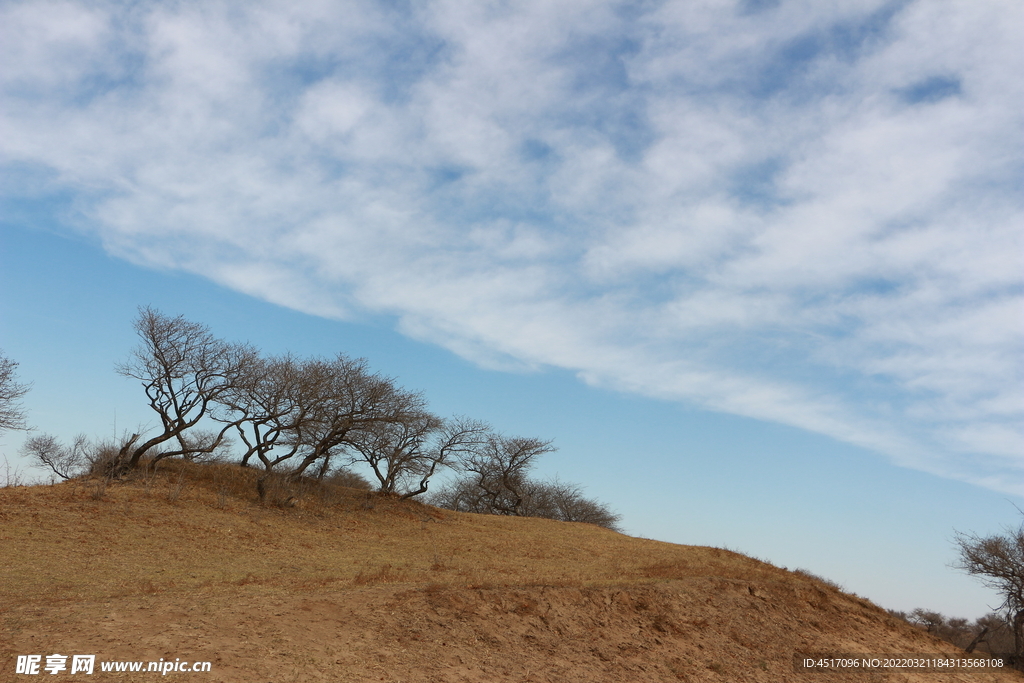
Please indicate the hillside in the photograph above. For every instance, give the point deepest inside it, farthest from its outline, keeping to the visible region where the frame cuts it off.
(344, 586)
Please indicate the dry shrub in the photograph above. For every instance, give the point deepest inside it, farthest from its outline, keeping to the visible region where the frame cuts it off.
(174, 494)
(346, 479)
(100, 488)
(276, 490)
(223, 482)
(226, 480)
(12, 479)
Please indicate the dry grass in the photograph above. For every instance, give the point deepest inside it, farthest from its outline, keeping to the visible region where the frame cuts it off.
(185, 530)
(321, 582)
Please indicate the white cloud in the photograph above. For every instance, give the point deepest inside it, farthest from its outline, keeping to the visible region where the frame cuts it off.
(802, 214)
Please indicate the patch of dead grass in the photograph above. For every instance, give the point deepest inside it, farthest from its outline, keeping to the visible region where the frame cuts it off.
(202, 525)
(190, 548)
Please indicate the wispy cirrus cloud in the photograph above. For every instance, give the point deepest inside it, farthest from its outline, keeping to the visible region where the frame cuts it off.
(788, 211)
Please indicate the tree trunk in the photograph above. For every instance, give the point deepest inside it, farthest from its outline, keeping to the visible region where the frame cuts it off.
(974, 643)
(1018, 638)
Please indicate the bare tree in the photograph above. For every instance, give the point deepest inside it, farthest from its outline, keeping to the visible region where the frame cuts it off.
(998, 561)
(12, 413)
(268, 406)
(457, 438)
(991, 630)
(394, 449)
(994, 631)
(311, 411)
(344, 400)
(497, 470)
(930, 621)
(566, 503)
(404, 454)
(81, 456)
(183, 369)
(66, 462)
(461, 495)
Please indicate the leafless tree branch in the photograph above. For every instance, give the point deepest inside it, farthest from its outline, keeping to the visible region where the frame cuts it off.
(998, 561)
(183, 369)
(12, 413)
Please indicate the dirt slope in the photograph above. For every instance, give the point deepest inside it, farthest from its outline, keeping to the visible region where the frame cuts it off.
(350, 588)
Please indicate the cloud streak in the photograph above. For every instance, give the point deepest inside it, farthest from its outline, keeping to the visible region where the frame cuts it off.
(787, 211)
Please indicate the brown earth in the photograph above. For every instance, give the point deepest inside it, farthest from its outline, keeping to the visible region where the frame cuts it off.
(346, 586)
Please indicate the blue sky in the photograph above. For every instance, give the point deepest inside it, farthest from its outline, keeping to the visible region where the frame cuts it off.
(756, 267)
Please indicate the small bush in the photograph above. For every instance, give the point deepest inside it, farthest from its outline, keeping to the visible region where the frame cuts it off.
(347, 479)
(550, 500)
